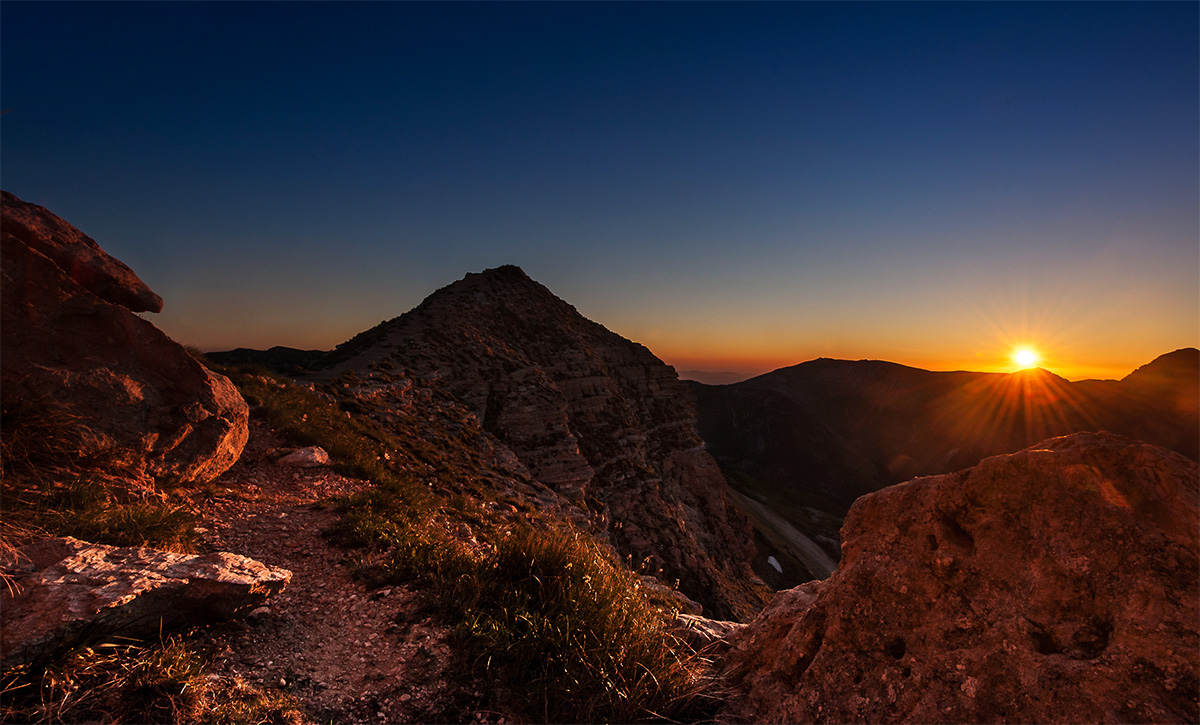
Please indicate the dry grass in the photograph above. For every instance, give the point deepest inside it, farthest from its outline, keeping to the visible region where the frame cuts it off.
(135, 683)
(50, 490)
(556, 616)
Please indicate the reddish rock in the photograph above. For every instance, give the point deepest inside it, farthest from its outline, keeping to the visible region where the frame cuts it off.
(1056, 584)
(77, 254)
(595, 417)
(141, 404)
(66, 590)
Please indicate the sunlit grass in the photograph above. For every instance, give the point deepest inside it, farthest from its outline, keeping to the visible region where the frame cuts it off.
(552, 610)
(116, 682)
(50, 490)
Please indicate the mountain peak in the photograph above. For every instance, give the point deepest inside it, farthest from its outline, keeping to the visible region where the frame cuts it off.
(505, 271)
(508, 284)
(597, 420)
(504, 275)
(1182, 365)
(1038, 374)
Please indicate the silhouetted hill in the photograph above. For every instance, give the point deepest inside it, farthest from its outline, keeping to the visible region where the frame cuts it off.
(817, 435)
(284, 360)
(712, 378)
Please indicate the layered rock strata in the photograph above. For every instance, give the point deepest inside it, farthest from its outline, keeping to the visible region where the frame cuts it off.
(595, 417)
(1056, 584)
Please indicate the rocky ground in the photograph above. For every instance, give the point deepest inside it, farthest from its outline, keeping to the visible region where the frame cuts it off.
(346, 653)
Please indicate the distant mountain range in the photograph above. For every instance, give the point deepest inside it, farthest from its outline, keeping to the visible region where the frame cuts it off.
(808, 440)
(283, 360)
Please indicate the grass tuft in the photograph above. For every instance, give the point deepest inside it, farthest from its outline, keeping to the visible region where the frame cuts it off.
(49, 489)
(130, 682)
(88, 510)
(552, 611)
(38, 439)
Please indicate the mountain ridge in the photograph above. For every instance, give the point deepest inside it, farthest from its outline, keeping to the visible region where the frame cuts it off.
(597, 419)
(815, 436)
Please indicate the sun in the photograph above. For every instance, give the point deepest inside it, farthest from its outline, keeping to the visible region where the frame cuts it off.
(1025, 357)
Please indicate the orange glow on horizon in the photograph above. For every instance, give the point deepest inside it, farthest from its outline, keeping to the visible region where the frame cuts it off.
(998, 362)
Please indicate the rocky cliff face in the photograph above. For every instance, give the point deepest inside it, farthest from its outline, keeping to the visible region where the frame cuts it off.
(597, 419)
(139, 406)
(1057, 584)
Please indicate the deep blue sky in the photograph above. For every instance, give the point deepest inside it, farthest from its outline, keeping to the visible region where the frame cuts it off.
(735, 185)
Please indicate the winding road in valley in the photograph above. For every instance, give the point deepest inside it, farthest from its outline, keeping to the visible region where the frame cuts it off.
(782, 534)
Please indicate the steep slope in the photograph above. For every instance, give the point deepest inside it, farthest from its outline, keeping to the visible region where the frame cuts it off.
(596, 418)
(1163, 397)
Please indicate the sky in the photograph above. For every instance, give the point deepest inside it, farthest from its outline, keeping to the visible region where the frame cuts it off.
(738, 186)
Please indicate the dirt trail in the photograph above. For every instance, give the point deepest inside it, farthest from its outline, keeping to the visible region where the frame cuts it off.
(347, 654)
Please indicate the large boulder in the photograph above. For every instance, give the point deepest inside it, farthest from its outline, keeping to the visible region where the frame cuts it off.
(1056, 584)
(136, 399)
(66, 591)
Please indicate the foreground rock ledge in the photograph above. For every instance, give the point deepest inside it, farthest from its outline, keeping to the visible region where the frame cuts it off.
(1056, 584)
(68, 589)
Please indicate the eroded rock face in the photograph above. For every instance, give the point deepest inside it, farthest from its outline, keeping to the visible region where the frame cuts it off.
(66, 588)
(1056, 584)
(595, 417)
(140, 401)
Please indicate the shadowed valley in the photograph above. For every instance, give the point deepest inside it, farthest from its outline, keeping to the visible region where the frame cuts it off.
(808, 440)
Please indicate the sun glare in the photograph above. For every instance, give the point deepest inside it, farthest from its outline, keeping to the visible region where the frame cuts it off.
(1025, 357)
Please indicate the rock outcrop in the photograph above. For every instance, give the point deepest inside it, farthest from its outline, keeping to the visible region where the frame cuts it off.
(1056, 584)
(66, 590)
(70, 340)
(77, 255)
(595, 417)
